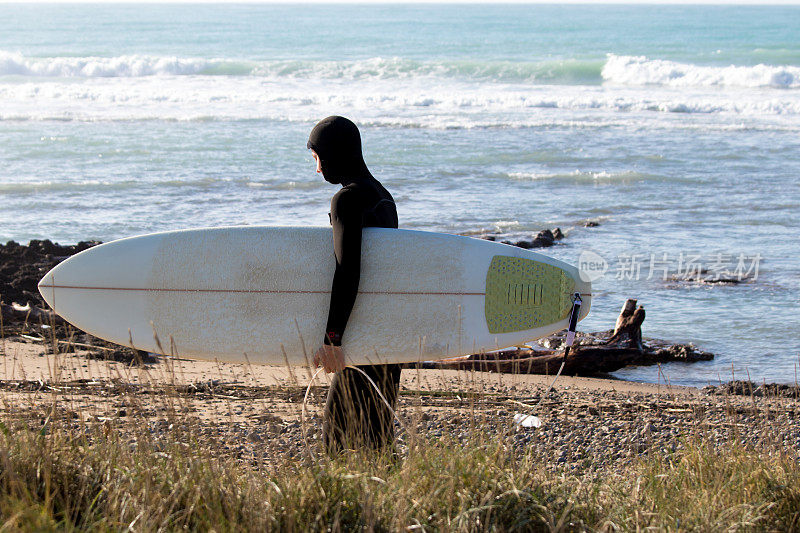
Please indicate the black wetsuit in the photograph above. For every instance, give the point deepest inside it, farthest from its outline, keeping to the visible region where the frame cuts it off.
(355, 415)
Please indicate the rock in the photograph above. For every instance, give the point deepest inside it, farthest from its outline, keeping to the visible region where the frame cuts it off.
(708, 277)
(543, 239)
(748, 388)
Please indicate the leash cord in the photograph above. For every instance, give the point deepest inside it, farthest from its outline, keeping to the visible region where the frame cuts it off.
(573, 323)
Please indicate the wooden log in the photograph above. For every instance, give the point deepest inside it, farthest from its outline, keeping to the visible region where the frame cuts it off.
(628, 330)
(584, 360)
(597, 353)
(627, 310)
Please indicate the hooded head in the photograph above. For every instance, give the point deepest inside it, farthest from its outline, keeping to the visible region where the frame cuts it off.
(337, 143)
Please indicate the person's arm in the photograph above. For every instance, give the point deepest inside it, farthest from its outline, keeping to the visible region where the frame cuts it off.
(346, 222)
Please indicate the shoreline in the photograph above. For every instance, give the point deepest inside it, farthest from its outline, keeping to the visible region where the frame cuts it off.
(27, 360)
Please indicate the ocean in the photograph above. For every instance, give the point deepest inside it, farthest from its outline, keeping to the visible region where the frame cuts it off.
(676, 129)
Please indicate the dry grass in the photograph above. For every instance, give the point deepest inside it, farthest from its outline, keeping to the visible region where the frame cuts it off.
(58, 476)
(59, 472)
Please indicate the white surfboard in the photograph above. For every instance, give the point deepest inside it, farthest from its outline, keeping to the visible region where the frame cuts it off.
(221, 293)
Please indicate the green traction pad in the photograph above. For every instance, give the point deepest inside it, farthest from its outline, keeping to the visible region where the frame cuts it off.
(524, 294)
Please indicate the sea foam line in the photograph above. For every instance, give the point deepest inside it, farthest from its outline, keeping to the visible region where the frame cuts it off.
(569, 71)
(622, 70)
(15, 64)
(639, 70)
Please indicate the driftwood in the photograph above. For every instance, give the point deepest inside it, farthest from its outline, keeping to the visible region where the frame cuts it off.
(628, 329)
(593, 353)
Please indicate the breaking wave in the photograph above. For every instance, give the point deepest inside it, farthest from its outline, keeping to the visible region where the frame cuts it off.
(568, 71)
(639, 70)
(395, 92)
(615, 69)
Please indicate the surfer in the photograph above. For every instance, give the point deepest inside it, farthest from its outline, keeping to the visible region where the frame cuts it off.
(355, 415)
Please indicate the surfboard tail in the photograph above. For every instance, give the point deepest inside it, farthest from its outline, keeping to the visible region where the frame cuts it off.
(525, 294)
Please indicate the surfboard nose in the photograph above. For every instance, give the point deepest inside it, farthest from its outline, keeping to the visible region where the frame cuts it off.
(47, 288)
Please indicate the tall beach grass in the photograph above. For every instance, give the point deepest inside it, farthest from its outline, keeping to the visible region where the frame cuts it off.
(153, 470)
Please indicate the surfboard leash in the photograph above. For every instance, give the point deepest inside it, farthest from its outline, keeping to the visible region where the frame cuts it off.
(570, 339)
(577, 301)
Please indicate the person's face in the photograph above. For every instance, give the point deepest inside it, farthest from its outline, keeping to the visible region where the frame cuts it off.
(319, 163)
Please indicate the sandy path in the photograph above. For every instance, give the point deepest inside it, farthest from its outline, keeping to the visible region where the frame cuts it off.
(28, 361)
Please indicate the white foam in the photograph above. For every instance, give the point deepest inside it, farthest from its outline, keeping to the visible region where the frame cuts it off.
(619, 70)
(502, 226)
(581, 175)
(639, 70)
(376, 68)
(413, 102)
(14, 64)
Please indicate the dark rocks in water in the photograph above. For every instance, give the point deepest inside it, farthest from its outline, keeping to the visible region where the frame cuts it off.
(543, 239)
(706, 276)
(591, 224)
(592, 354)
(749, 388)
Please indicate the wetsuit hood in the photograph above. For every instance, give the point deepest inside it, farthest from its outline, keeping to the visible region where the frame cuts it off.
(337, 142)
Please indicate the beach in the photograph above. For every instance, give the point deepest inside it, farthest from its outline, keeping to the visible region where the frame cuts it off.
(256, 409)
(263, 424)
(91, 399)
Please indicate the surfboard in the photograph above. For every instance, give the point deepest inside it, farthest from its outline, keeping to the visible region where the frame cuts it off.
(262, 294)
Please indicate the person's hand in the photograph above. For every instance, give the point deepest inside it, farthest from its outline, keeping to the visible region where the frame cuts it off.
(331, 358)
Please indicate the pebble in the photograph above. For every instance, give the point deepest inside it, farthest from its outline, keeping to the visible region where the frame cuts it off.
(580, 429)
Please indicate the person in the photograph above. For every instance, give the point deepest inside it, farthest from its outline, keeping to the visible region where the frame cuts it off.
(355, 415)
